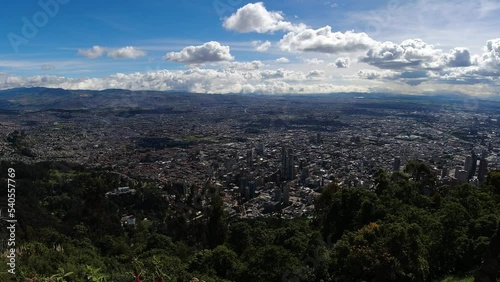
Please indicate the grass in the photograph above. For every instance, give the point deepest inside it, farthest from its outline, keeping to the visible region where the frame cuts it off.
(458, 279)
(56, 176)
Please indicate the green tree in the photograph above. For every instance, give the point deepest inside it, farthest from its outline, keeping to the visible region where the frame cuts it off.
(216, 226)
(239, 238)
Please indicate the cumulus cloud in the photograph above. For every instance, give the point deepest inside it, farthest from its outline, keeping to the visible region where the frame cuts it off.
(192, 80)
(96, 51)
(412, 65)
(253, 65)
(211, 51)
(484, 68)
(414, 54)
(313, 61)
(342, 62)
(412, 78)
(92, 53)
(369, 74)
(323, 40)
(491, 56)
(128, 52)
(261, 46)
(315, 74)
(282, 74)
(47, 67)
(411, 53)
(458, 57)
(254, 17)
(282, 60)
(414, 62)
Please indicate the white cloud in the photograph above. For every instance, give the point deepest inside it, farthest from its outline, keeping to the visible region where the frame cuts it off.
(96, 51)
(491, 56)
(484, 69)
(313, 61)
(254, 17)
(342, 63)
(253, 65)
(47, 67)
(211, 51)
(369, 74)
(458, 57)
(129, 52)
(92, 53)
(283, 74)
(414, 62)
(282, 60)
(458, 20)
(411, 53)
(415, 54)
(331, 4)
(261, 46)
(192, 80)
(323, 40)
(315, 74)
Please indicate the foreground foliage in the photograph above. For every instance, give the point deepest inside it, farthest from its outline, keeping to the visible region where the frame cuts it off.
(406, 229)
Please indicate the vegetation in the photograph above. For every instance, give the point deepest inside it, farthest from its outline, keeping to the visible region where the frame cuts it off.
(406, 229)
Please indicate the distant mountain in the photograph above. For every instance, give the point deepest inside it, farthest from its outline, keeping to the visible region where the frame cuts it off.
(40, 98)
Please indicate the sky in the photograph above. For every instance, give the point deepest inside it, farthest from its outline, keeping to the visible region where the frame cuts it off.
(236, 46)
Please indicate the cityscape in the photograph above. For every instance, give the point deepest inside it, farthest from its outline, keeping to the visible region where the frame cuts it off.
(266, 154)
(250, 141)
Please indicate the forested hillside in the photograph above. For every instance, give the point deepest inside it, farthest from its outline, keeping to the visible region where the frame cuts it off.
(69, 230)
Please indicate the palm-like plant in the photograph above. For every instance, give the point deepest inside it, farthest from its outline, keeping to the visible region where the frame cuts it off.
(159, 274)
(60, 276)
(138, 269)
(94, 274)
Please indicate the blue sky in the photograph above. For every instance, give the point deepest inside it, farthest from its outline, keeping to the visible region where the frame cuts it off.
(226, 46)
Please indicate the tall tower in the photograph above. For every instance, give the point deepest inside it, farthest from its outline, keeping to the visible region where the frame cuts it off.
(472, 172)
(290, 165)
(250, 158)
(470, 165)
(283, 162)
(287, 163)
(396, 166)
(444, 172)
(286, 195)
(483, 170)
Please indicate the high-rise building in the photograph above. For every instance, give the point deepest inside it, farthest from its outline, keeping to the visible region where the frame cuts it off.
(396, 166)
(243, 186)
(290, 165)
(474, 165)
(462, 176)
(250, 158)
(252, 186)
(304, 175)
(287, 163)
(444, 172)
(471, 165)
(283, 162)
(318, 138)
(261, 149)
(457, 169)
(483, 170)
(286, 195)
(277, 194)
(468, 163)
